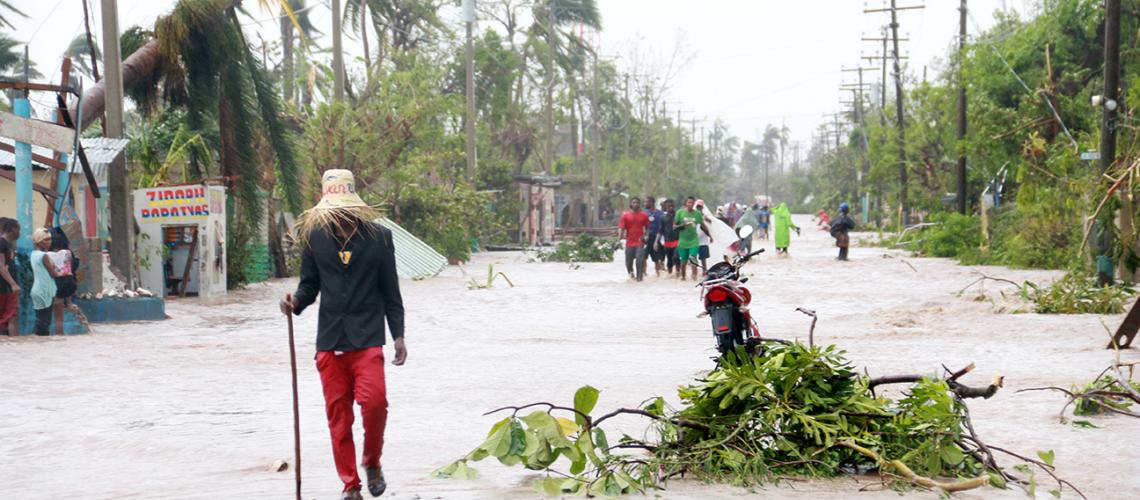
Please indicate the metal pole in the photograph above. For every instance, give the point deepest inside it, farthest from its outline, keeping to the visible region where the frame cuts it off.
(122, 224)
(25, 208)
(962, 198)
(469, 18)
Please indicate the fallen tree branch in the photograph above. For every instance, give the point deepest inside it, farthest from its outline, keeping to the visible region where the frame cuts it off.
(811, 332)
(982, 279)
(644, 413)
(962, 390)
(906, 472)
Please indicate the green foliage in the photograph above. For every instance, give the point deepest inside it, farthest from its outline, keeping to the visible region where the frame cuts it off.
(1102, 395)
(584, 248)
(953, 235)
(792, 411)
(1077, 293)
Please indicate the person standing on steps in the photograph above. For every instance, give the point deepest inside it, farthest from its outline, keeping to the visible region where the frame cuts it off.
(632, 227)
(686, 222)
(839, 229)
(43, 286)
(782, 219)
(350, 261)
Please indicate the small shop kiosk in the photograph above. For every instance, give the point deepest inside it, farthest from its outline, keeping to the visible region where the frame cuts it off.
(182, 240)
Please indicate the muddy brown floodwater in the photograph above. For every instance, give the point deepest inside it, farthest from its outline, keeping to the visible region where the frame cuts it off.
(198, 406)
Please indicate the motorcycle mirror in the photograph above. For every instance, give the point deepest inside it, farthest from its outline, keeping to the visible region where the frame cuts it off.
(744, 231)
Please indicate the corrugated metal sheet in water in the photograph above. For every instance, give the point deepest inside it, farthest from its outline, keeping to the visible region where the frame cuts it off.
(414, 258)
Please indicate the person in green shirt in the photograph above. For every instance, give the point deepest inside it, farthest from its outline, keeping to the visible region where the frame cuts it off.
(686, 221)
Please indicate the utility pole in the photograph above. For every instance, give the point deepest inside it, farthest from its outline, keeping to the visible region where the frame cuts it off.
(858, 121)
(122, 224)
(338, 56)
(962, 201)
(469, 20)
(1111, 83)
(1108, 131)
(595, 145)
(904, 217)
(550, 105)
(628, 108)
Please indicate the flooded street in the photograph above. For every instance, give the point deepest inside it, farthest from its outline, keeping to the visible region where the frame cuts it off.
(199, 406)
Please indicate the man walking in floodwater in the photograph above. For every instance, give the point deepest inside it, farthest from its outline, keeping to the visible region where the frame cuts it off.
(350, 261)
(632, 228)
(839, 230)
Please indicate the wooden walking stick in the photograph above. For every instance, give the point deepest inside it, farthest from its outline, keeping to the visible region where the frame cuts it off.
(296, 411)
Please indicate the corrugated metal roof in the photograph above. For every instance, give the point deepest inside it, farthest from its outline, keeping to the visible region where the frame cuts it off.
(100, 152)
(414, 258)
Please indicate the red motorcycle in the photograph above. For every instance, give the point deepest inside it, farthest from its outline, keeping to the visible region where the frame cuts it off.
(727, 302)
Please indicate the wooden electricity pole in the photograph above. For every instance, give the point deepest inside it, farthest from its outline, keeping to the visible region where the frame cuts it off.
(1110, 103)
(904, 216)
(962, 195)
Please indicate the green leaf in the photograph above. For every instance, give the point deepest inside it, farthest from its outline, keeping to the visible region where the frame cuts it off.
(996, 480)
(1047, 456)
(550, 486)
(1084, 424)
(1056, 493)
(499, 442)
(952, 455)
(518, 439)
(584, 400)
(657, 407)
(600, 440)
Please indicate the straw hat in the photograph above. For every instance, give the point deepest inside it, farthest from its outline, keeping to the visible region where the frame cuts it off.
(338, 190)
(339, 202)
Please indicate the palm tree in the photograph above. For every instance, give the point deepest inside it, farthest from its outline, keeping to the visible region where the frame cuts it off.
(11, 55)
(290, 24)
(6, 5)
(12, 60)
(551, 18)
(401, 25)
(80, 54)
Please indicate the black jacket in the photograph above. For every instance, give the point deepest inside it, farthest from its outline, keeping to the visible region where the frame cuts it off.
(355, 298)
(841, 225)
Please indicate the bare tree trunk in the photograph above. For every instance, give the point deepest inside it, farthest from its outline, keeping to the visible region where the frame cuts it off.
(287, 74)
(364, 42)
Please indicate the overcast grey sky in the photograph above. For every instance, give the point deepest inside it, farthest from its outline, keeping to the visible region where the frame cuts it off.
(754, 61)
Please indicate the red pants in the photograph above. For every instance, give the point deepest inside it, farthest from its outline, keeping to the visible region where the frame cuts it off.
(356, 375)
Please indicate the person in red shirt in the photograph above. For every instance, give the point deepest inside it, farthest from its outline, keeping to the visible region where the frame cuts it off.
(632, 227)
